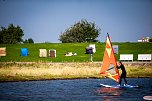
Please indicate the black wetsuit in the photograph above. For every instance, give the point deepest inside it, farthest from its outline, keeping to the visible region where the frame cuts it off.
(123, 75)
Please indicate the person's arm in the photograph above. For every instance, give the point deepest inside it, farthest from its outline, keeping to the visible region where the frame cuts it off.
(118, 67)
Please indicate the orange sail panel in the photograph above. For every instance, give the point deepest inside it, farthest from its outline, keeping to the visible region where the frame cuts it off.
(108, 68)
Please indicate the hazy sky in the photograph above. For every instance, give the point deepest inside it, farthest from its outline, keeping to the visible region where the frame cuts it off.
(44, 20)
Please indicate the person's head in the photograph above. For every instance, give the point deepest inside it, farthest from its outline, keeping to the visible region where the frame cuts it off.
(119, 63)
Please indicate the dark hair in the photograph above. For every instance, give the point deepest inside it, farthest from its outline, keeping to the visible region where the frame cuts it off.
(120, 62)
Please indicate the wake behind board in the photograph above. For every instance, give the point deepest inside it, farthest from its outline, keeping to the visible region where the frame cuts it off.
(117, 86)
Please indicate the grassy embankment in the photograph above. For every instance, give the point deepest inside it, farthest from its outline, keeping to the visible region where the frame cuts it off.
(45, 69)
(48, 71)
(13, 51)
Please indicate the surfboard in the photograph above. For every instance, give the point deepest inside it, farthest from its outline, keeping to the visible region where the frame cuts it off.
(117, 86)
(147, 97)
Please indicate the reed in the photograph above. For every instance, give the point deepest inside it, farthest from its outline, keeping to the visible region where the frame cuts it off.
(139, 71)
(45, 71)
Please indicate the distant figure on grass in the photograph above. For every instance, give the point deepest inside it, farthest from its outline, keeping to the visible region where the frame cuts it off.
(123, 74)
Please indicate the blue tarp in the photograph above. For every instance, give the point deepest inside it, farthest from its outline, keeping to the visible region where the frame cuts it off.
(24, 52)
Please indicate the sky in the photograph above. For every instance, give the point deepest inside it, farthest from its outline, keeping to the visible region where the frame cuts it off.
(45, 20)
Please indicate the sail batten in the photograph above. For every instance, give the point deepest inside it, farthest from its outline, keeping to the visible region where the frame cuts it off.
(108, 68)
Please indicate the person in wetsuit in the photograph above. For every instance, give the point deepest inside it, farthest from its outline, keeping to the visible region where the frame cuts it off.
(123, 75)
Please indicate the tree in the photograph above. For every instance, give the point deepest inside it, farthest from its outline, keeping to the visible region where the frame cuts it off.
(26, 41)
(30, 40)
(11, 35)
(82, 31)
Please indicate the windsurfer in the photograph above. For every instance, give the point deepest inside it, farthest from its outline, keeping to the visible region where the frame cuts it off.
(123, 74)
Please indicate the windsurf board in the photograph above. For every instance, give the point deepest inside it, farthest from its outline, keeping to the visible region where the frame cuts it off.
(117, 86)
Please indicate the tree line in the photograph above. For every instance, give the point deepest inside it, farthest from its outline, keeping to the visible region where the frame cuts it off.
(82, 31)
(13, 35)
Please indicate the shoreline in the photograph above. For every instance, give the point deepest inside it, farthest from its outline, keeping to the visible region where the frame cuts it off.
(42, 62)
(41, 71)
(62, 79)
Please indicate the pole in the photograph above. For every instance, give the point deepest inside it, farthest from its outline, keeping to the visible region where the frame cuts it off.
(91, 57)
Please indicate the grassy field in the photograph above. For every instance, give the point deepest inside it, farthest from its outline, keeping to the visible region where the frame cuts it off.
(48, 71)
(13, 51)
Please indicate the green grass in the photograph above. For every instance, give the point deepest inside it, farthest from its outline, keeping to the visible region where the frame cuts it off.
(13, 51)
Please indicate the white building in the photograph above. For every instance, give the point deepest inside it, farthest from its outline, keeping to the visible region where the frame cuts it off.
(144, 39)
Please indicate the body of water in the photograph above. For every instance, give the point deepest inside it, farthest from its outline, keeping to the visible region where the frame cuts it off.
(74, 90)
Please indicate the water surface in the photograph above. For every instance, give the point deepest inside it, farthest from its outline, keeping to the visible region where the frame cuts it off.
(74, 90)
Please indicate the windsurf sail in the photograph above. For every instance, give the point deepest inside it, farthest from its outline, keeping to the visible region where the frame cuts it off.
(108, 68)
